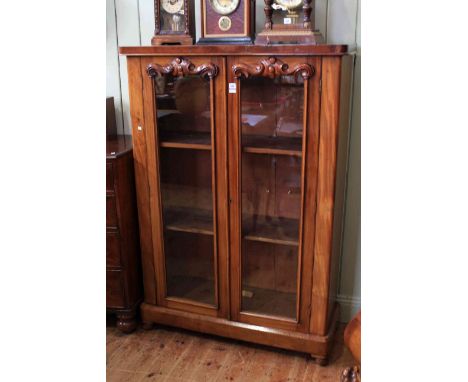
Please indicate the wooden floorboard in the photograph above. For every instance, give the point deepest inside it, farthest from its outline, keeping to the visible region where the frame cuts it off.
(175, 355)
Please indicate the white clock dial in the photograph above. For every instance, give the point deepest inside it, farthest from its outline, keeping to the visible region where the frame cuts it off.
(224, 7)
(289, 4)
(172, 6)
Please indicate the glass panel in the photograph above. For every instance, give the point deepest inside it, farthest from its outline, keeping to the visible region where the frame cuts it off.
(288, 12)
(183, 105)
(272, 127)
(184, 127)
(172, 17)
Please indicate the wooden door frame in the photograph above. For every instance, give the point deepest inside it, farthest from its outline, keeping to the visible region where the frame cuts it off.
(181, 66)
(260, 66)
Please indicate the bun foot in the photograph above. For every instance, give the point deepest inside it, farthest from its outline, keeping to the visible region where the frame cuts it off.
(126, 322)
(321, 361)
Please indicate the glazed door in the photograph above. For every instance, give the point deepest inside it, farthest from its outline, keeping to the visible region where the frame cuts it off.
(273, 135)
(189, 198)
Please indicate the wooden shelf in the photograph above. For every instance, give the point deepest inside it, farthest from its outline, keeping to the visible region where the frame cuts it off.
(258, 144)
(188, 220)
(263, 301)
(269, 302)
(188, 140)
(271, 230)
(191, 288)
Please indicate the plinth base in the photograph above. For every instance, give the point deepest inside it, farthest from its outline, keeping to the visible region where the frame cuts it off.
(272, 36)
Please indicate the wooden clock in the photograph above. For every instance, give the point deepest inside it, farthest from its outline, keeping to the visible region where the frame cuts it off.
(227, 21)
(290, 22)
(174, 22)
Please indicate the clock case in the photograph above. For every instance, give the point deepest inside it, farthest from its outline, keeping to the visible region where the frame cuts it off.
(167, 37)
(244, 11)
(301, 33)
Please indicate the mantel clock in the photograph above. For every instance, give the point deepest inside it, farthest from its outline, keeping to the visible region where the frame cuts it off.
(289, 22)
(174, 22)
(227, 21)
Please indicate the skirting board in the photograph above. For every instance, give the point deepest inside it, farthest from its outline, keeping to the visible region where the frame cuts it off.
(350, 305)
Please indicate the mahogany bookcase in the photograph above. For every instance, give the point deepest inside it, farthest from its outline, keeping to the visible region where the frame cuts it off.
(240, 156)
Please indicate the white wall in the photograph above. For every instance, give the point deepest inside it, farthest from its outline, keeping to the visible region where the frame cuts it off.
(131, 22)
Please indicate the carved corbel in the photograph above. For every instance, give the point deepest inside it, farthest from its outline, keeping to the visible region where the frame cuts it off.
(272, 68)
(180, 67)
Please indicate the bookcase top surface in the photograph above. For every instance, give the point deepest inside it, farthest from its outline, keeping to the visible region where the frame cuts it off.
(235, 50)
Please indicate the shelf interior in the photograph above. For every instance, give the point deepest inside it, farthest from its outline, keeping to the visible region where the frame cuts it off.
(275, 230)
(188, 220)
(268, 302)
(186, 140)
(261, 300)
(191, 288)
(261, 144)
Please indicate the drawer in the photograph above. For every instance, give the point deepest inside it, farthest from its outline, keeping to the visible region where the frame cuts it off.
(115, 297)
(111, 211)
(109, 176)
(113, 249)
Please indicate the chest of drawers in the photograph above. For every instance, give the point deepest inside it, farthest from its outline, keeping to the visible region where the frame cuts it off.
(123, 266)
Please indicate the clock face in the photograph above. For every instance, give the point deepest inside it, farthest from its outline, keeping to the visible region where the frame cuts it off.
(224, 7)
(172, 6)
(290, 4)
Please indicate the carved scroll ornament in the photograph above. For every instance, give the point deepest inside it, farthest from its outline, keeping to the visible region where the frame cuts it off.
(273, 67)
(180, 67)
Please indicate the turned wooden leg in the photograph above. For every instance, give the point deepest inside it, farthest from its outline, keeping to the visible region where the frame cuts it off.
(322, 361)
(147, 325)
(126, 321)
(351, 374)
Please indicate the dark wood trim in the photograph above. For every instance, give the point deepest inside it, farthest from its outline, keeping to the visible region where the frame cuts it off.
(234, 192)
(214, 186)
(124, 291)
(235, 50)
(222, 192)
(127, 318)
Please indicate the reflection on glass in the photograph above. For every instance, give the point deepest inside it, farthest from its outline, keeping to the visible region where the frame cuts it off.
(272, 129)
(184, 128)
(183, 106)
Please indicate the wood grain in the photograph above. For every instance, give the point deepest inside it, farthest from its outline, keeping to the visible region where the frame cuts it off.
(310, 166)
(328, 142)
(152, 169)
(141, 177)
(235, 50)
